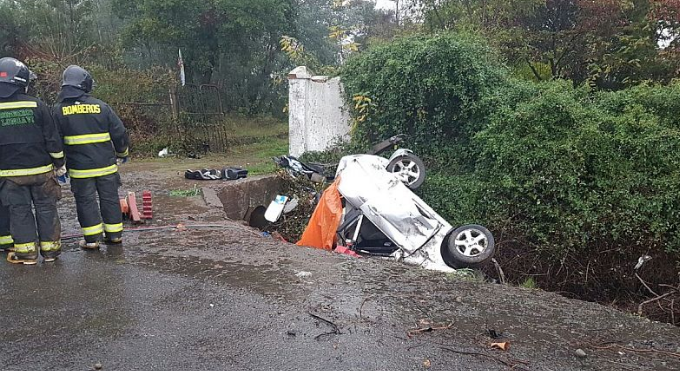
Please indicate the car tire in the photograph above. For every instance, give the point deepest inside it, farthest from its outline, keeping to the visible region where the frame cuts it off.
(468, 246)
(409, 168)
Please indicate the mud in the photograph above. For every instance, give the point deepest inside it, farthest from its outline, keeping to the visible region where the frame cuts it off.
(230, 299)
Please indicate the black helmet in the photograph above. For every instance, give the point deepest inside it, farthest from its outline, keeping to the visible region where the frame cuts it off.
(77, 77)
(14, 72)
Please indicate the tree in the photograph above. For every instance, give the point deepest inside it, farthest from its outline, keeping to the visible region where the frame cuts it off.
(609, 43)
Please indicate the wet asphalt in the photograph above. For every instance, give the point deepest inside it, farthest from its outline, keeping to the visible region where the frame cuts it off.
(230, 299)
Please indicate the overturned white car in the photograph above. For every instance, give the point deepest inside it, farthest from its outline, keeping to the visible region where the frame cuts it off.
(382, 216)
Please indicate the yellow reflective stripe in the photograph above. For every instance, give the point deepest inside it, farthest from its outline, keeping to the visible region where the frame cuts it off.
(5, 240)
(50, 245)
(95, 229)
(123, 154)
(57, 154)
(113, 228)
(72, 140)
(23, 248)
(92, 173)
(15, 105)
(23, 172)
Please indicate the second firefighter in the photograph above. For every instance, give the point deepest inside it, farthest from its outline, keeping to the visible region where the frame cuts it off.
(95, 142)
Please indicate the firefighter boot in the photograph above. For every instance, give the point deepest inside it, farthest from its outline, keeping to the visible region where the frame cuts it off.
(50, 250)
(89, 245)
(24, 253)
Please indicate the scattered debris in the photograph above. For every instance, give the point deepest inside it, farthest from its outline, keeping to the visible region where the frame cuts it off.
(164, 152)
(641, 261)
(229, 173)
(494, 334)
(297, 168)
(98, 366)
(345, 250)
(427, 363)
(291, 333)
(504, 346)
(303, 274)
(335, 331)
(580, 353)
(132, 205)
(290, 205)
(275, 208)
(419, 330)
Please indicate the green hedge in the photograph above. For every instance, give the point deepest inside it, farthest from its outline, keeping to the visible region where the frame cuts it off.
(433, 89)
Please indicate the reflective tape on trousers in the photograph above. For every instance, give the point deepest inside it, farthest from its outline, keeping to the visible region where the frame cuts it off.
(95, 229)
(6, 240)
(57, 154)
(50, 245)
(23, 248)
(113, 228)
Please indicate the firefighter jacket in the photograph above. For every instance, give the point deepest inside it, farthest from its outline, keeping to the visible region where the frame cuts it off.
(29, 140)
(93, 136)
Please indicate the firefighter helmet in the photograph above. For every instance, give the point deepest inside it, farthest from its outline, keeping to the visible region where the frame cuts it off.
(77, 77)
(15, 72)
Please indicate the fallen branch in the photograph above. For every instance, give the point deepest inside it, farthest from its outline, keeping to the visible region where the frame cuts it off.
(513, 364)
(336, 330)
(416, 331)
(501, 275)
(651, 301)
(613, 346)
(645, 284)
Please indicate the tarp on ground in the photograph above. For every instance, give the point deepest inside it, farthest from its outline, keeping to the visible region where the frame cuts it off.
(323, 225)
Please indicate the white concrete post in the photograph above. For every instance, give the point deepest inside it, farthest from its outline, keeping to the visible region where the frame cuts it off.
(317, 116)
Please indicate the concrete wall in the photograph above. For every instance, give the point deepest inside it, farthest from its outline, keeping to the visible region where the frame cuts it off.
(317, 116)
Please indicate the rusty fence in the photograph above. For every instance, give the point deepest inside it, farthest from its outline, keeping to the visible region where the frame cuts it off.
(189, 118)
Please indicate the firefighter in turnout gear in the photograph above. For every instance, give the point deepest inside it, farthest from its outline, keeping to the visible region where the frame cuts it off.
(95, 142)
(30, 151)
(6, 241)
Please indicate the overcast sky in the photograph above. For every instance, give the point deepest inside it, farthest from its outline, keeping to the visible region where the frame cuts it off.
(384, 4)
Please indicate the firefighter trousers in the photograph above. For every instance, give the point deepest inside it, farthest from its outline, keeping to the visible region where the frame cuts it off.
(90, 217)
(6, 240)
(20, 195)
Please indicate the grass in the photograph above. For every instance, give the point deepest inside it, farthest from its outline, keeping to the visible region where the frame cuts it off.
(529, 283)
(269, 140)
(186, 192)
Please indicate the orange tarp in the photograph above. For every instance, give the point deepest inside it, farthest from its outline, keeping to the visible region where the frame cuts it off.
(322, 228)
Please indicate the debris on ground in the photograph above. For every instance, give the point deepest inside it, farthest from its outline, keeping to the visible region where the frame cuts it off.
(502, 346)
(164, 152)
(297, 168)
(427, 326)
(580, 353)
(276, 208)
(227, 173)
(290, 225)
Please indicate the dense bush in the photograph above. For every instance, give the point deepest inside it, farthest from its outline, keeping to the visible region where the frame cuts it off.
(433, 89)
(575, 184)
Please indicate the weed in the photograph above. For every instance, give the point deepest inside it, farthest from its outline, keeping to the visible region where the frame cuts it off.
(186, 192)
(529, 283)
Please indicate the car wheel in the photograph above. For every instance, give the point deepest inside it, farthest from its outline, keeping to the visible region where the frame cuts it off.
(409, 169)
(468, 246)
